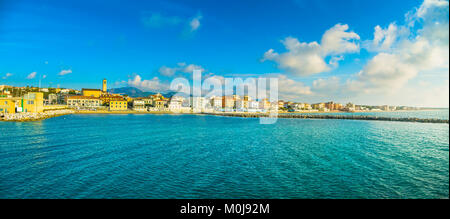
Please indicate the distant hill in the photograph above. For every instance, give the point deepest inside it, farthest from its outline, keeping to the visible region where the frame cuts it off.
(135, 92)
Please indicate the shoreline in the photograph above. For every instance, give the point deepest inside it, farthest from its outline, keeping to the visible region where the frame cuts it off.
(340, 117)
(33, 117)
(30, 117)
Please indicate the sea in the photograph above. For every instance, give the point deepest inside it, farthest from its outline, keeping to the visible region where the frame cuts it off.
(205, 156)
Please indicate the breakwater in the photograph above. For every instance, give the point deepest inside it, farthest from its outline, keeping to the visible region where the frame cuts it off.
(28, 117)
(342, 117)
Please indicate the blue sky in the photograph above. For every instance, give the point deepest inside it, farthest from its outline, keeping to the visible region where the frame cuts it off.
(117, 40)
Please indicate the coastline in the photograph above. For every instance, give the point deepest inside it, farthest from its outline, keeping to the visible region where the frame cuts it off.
(32, 117)
(340, 117)
(24, 117)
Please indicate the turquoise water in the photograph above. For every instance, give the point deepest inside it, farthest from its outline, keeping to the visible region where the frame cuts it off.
(187, 156)
(422, 114)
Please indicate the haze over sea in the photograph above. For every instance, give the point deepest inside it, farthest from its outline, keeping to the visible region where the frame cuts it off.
(191, 156)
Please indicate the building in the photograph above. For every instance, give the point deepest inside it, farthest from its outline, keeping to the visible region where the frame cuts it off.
(216, 102)
(160, 104)
(350, 107)
(8, 105)
(253, 104)
(52, 99)
(264, 104)
(198, 104)
(91, 92)
(117, 105)
(104, 87)
(319, 106)
(175, 105)
(107, 98)
(139, 105)
(33, 102)
(227, 102)
(83, 102)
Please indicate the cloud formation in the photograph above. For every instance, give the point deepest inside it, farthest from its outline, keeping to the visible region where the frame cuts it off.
(7, 75)
(32, 75)
(304, 59)
(147, 85)
(181, 67)
(194, 24)
(409, 61)
(65, 72)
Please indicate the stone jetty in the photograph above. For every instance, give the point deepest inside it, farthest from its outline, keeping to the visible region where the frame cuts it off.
(26, 117)
(318, 116)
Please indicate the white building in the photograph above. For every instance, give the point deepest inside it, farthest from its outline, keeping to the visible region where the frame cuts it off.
(175, 105)
(216, 102)
(139, 105)
(198, 104)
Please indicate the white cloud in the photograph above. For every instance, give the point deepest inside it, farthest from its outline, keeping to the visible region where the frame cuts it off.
(309, 58)
(181, 67)
(337, 41)
(65, 72)
(411, 61)
(384, 39)
(147, 85)
(194, 24)
(7, 75)
(31, 75)
(412, 54)
(430, 5)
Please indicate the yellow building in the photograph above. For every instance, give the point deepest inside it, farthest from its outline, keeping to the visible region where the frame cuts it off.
(33, 102)
(91, 92)
(104, 87)
(118, 105)
(8, 105)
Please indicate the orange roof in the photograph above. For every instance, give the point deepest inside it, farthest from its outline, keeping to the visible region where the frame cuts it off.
(88, 89)
(83, 97)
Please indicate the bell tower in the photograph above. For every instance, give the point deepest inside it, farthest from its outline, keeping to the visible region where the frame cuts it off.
(104, 88)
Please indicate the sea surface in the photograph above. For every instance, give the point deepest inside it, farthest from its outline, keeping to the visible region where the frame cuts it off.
(189, 156)
(421, 114)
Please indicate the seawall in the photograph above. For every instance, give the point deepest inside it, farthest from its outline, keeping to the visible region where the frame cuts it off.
(318, 116)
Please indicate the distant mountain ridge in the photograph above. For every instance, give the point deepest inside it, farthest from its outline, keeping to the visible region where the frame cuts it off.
(135, 92)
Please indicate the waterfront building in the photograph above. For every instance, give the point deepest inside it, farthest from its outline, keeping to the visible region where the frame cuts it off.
(91, 92)
(33, 102)
(107, 98)
(160, 104)
(228, 102)
(83, 102)
(175, 105)
(242, 105)
(139, 105)
(319, 106)
(198, 104)
(118, 105)
(8, 105)
(350, 107)
(264, 104)
(253, 105)
(216, 102)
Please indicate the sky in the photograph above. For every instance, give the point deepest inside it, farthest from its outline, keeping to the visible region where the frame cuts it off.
(368, 52)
